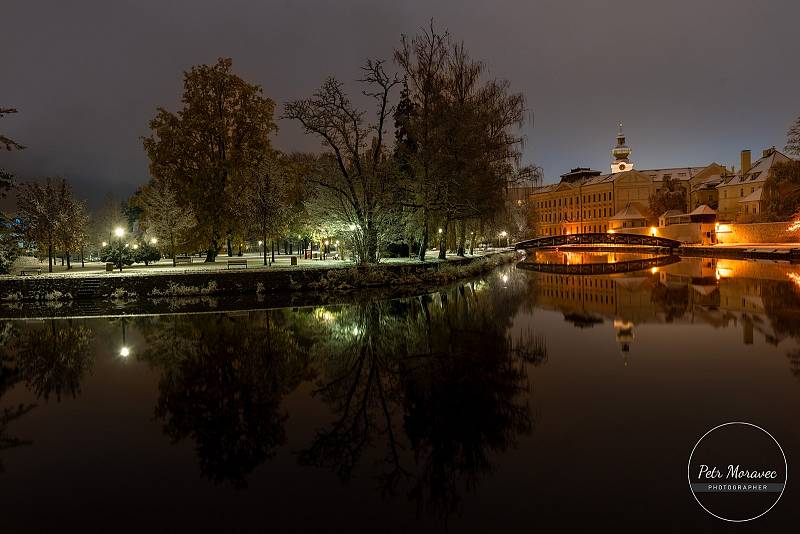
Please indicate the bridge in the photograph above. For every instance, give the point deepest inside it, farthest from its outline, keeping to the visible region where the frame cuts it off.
(600, 268)
(598, 238)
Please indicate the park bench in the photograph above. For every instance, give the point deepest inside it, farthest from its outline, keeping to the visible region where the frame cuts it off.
(183, 259)
(240, 262)
(30, 270)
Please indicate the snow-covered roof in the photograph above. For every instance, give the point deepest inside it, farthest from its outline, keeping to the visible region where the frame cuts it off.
(671, 213)
(755, 196)
(760, 169)
(703, 209)
(630, 211)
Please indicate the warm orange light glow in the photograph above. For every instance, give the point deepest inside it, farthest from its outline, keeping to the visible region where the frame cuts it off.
(794, 226)
(653, 270)
(722, 228)
(610, 231)
(723, 272)
(794, 277)
(653, 231)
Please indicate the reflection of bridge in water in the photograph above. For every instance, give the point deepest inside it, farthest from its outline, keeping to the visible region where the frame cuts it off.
(628, 266)
(598, 239)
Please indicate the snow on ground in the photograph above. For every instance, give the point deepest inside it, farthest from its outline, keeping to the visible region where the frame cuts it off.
(165, 266)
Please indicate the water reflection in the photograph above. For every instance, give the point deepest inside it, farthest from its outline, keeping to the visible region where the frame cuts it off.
(436, 379)
(223, 377)
(722, 293)
(417, 397)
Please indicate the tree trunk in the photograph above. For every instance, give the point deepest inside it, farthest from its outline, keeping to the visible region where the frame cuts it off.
(230, 248)
(423, 244)
(472, 243)
(264, 245)
(50, 258)
(69, 265)
(172, 250)
(462, 237)
(443, 240)
(272, 242)
(83, 262)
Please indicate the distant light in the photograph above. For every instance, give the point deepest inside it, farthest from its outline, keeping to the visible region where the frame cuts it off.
(503, 233)
(440, 230)
(723, 229)
(505, 278)
(104, 244)
(126, 245)
(654, 270)
(260, 243)
(352, 227)
(154, 241)
(337, 243)
(124, 352)
(135, 246)
(327, 242)
(119, 231)
(610, 231)
(653, 231)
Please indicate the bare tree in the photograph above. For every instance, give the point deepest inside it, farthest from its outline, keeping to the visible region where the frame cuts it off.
(793, 138)
(359, 181)
(164, 216)
(267, 199)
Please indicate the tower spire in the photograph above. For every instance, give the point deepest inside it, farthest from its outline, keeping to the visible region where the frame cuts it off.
(621, 153)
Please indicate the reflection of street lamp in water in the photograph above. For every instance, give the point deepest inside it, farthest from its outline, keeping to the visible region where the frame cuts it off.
(124, 351)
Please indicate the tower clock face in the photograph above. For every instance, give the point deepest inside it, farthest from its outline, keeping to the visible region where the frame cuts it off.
(622, 166)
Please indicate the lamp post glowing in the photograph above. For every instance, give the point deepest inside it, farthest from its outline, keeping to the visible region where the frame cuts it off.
(154, 241)
(104, 244)
(119, 233)
(502, 235)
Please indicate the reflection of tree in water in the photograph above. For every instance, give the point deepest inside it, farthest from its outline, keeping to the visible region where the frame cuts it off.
(9, 377)
(55, 358)
(673, 299)
(782, 306)
(51, 359)
(435, 378)
(223, 380)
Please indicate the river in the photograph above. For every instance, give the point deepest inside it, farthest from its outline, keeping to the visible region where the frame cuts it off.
(518, 400)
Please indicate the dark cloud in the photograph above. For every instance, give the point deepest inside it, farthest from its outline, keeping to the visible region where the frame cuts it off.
(693, 81)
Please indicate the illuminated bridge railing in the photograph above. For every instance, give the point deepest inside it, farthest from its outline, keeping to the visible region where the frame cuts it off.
(598, 239)
(600, 268)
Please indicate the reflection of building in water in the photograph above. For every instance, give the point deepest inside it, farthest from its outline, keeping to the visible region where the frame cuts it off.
(624, 336)
(696, 290)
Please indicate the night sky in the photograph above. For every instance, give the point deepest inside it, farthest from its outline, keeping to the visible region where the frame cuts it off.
(693, 81)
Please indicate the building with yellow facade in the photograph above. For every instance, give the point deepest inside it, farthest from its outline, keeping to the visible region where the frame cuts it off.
(587, 200)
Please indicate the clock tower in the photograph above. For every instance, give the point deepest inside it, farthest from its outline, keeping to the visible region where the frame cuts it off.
(621, 153)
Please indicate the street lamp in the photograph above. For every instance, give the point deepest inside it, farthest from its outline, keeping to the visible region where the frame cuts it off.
(119, 232)
(135, 246)
(104, 244)
(154, 241)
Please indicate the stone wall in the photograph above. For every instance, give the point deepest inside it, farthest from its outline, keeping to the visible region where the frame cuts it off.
(685, 233)
(774, 232)
(135, 286)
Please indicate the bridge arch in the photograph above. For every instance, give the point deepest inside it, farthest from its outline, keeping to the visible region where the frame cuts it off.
(598, 239)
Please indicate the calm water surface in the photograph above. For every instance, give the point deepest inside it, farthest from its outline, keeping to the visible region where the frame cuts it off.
(519, 401)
